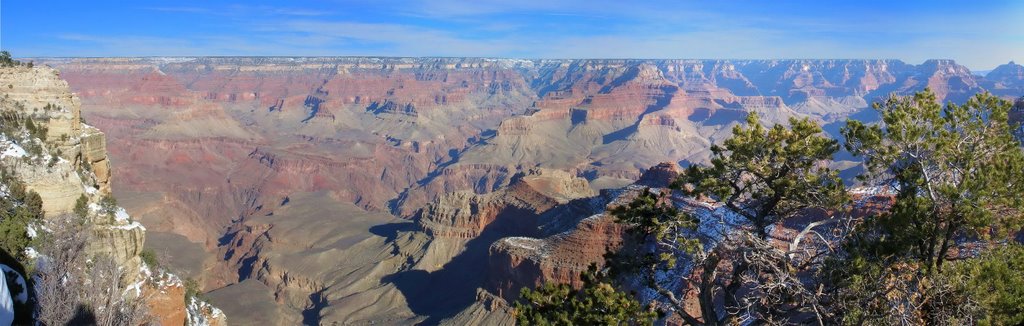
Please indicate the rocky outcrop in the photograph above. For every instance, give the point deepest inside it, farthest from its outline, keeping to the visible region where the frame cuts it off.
(202, 313)
(94, 154)
(59, 186)
(70, 168)
(166, 298)
(210, 148)
(394, 108)
(660, 176)
(1006, 80)
(513, 209)
(517, 262)
(570, 244)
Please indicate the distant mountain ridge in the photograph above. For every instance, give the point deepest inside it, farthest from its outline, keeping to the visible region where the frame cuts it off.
(767, 77)
(274, 167)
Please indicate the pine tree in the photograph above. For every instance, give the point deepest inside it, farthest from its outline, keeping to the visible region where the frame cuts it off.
(596, 303)
(765, 175)
(996, 281)
(958, 170)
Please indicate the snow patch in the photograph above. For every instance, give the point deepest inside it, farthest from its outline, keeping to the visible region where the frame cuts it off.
(872, 191)
(12, 150)
(31, 253)
(524, 242)
(136, 287)
(129, 226)
(201, 313)
(121, 215)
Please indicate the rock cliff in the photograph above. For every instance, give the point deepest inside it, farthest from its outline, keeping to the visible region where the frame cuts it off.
(65, 162)
(226, 156)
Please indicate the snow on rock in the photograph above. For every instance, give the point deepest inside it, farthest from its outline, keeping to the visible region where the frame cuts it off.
(129, 226)
(524, 242)
(31, 253)
(201, 313)
(870, 191)
(121, 215)
(12, 150)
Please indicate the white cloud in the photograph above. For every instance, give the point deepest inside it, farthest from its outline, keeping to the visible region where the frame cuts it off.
(604, 29)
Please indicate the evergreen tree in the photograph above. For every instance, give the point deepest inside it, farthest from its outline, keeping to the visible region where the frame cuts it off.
(82, 206)
(6, 60)
(17, 211)
(766, 176)
(596, 303)
(996, 281)
(957, 171)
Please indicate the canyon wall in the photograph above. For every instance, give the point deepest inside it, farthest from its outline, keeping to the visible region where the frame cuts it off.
(328, 189)
(70, 164)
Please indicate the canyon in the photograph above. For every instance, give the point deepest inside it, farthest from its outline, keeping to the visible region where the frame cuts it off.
(69, 168)
(429, 190)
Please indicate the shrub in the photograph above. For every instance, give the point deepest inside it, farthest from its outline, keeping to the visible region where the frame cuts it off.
(82, 206)
(193, 290)
(149, 257)
(597, 303)
(6, 60)
(76, 288)
(108, 205)
(996, 281)
(17, 211)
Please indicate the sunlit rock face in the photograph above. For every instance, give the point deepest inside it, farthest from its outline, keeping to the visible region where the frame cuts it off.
(293, 180)
(72, 165)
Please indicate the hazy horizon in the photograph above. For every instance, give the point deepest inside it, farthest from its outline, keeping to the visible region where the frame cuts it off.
(978, 35)
(977, 71)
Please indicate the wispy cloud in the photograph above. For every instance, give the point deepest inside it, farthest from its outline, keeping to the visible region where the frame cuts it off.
(194, 10)
(980, 36)
(244, 10)
(278, 11)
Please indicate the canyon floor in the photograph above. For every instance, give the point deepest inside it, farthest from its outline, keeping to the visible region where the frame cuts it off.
(429, 190)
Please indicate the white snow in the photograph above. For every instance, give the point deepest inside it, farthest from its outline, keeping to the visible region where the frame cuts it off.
(31, 230)
(875, 190)
(12, 150)
(524, 242)
(31, 253)
(129, 226)
(121, 215)
(137, 287)
(195, 313)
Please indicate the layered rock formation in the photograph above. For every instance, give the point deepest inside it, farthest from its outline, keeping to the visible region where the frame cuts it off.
(1006, 80)
(281, 171)
(567, 245)
(70, 164)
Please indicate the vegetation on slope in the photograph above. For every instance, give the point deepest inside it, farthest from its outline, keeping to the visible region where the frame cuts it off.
(596, 303)
(956, 173)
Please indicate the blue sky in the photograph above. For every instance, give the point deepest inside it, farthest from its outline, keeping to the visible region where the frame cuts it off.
(979, 34)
